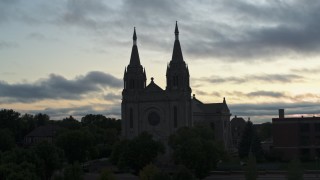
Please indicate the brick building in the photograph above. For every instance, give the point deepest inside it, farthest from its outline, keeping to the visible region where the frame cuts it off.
(296, 137)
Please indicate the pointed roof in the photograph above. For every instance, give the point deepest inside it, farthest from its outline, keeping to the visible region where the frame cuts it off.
(153, 87)
(177, 53)
(134, 59)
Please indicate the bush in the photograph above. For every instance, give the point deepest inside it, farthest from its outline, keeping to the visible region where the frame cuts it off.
(183, 173)
(73, 172)
(148, 172)
(107, 175)
(295, 171)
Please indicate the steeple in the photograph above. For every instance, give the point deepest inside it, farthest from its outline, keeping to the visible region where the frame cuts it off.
(134, 60)
(176, 31)
(134, 75)
(177, 53)
(177, 70)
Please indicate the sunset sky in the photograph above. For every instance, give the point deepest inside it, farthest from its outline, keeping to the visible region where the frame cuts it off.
(67, 57)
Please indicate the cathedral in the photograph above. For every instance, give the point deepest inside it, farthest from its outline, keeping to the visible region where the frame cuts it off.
(161, 112)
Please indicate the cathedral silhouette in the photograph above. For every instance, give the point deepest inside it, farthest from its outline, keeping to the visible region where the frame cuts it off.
(161, 112)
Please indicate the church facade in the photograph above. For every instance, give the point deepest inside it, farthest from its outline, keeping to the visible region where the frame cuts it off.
(161, 112)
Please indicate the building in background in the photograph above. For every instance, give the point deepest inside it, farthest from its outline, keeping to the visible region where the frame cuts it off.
(237, 127)
(296, 137)
(40, 134)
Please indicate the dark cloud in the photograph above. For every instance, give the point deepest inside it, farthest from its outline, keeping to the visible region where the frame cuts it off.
(85, 13)
(314, 70)
(271, 109)
(58, 87)
(113, 97)
(226, 29)
(80, 111)
(268, 78)
(263, 30)
(266, 94)
(7, 45)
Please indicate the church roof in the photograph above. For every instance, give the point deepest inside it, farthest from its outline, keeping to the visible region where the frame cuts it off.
(153, 87)
(212, 107)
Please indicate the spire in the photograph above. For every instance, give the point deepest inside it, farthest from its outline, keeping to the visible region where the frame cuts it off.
(134, 60)
(176, 31)
(224, 100)
(177, 53)
(134, 37)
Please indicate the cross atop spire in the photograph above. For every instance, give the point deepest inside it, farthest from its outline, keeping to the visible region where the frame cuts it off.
(176, 31)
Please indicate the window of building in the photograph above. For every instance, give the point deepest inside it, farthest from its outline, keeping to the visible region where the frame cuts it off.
(131, 118)
(175, 117)
(304, 127)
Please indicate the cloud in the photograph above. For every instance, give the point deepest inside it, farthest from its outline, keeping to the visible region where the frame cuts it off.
(268, 78)
(58, 87)
(271, 109)
(7, 45)
(231, 30)
(314, 70)
(266, 94)
(113, 97)
(79, 111)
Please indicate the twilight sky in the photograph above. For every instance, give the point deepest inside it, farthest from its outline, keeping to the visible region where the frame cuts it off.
(67, 57)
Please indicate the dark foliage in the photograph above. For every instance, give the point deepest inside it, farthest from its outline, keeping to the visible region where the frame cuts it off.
(76, 145)
(250, 142)
(136, 153)
(196, 149)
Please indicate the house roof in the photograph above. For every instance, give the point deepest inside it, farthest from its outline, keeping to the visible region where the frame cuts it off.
(44, 131)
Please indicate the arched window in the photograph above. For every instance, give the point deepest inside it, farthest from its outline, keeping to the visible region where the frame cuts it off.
(131, 118)
(175, 117)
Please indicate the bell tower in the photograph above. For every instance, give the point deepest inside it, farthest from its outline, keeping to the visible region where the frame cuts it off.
(177, 70)
(134, 82)
(134, 75)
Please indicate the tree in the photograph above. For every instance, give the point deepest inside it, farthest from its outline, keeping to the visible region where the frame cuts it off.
(148, 172)
(265, 131)
(196, 149)
(106, 174)
(6, 140)
(251, 168)
(76, 144)
(51, 157)
(41, 119)
(138, 152)
(73, 172)
(183, 173)
(101, 121)
(70, 123)
(250, 142)
(20, 164)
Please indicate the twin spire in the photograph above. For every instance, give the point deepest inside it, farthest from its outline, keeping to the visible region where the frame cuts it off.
(176, 54)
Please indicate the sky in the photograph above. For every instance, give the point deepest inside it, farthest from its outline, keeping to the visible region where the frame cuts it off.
(67, 57)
